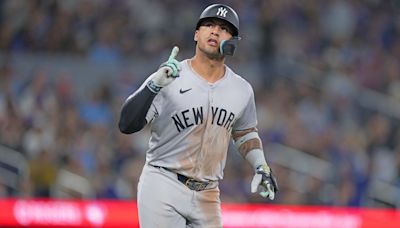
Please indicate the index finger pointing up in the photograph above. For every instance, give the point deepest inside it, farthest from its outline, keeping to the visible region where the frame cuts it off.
(174, 53)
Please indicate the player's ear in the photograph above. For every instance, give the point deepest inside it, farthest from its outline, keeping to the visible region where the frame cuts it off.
(196, 35)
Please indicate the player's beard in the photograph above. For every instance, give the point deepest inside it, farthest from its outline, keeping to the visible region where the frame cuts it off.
(212, 54)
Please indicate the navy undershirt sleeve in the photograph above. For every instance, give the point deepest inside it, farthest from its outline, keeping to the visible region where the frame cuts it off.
(134, 110)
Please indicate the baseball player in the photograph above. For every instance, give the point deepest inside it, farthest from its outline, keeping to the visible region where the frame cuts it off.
(195, 107)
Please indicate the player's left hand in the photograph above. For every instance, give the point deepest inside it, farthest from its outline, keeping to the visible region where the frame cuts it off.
(265, 182)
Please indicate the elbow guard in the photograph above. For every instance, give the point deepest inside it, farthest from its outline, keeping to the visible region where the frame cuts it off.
(251, 135)
(250, 147)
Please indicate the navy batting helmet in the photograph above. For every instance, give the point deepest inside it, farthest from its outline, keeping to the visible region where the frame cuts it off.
(223, 12)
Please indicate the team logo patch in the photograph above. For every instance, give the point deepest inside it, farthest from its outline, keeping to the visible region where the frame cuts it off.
(222, 12)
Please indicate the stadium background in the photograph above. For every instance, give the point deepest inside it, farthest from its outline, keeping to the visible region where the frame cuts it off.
(326, 76)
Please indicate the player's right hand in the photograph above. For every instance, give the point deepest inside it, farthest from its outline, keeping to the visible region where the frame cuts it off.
(167, 72)
(265, 182)
(172, 67)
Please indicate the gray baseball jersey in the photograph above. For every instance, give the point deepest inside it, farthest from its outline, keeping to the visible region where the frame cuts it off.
(192, 120)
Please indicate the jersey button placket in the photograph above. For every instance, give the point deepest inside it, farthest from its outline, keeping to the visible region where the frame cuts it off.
(211, 96)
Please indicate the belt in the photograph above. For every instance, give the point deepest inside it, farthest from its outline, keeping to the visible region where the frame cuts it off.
(191, 183)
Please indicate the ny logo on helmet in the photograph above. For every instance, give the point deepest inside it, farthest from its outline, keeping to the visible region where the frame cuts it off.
(222, 12)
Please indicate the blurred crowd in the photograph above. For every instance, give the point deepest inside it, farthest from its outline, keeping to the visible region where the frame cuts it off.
(308, 61)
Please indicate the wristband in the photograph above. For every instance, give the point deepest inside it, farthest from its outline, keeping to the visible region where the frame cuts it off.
(153, 87)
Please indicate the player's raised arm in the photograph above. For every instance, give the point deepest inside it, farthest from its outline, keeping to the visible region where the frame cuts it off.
(250, 147)
(135, 108)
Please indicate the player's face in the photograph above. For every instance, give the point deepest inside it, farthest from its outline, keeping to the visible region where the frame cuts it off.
(210, 35)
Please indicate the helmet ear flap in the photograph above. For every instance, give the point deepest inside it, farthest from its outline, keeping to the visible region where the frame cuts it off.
(228, 47)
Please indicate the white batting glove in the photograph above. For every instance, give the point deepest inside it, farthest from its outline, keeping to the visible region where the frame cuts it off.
(264, 182)
(167, 72)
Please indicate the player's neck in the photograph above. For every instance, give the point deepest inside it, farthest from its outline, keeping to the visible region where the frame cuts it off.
(209, 69)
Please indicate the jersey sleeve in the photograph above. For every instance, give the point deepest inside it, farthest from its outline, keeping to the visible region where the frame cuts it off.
(248, 118)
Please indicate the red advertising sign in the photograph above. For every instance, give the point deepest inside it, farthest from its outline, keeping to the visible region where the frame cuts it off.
(105, 213)
(307, 216)
(50, 213)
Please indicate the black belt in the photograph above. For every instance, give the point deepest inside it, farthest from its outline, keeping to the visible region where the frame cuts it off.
(191, 183)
